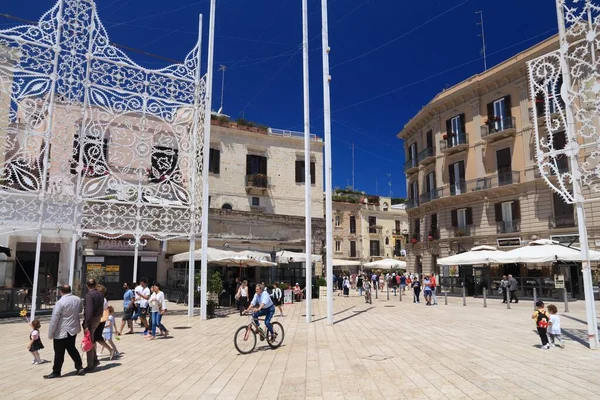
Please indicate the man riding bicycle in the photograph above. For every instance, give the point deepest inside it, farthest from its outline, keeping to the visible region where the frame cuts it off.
(262, 305)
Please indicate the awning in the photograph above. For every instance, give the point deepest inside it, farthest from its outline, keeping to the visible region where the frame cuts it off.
(477, 255)
(387, 263)
(212, 253)
(544, 250)
(286, 257)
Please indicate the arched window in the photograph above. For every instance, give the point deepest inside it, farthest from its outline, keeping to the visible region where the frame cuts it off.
(385, 206)
(387, 241)
(227, 206)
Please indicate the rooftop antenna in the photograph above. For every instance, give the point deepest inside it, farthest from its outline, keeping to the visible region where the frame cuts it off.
(390, 183)
(222, 68)
(482, 35)
(352, 166)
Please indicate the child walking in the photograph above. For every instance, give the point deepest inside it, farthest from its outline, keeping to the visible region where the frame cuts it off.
(554, 332)
(107, 334)
(35, 343)
(542, 319)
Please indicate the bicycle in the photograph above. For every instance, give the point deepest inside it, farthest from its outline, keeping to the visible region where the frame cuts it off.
(245, 337)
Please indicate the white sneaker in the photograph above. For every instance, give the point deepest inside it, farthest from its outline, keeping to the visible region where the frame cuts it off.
(547, 347)
(34, 362)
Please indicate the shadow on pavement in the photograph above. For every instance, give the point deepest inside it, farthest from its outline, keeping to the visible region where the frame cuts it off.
(353, 315)
(339, 312)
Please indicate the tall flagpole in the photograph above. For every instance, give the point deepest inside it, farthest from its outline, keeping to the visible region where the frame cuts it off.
(328, 183)
(307, 179)
(206, 146)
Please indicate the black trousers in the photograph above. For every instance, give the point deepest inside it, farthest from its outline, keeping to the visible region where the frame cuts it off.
(513, 296)
(417, 293)
(68, 344)
(504, 294)
(543, 335)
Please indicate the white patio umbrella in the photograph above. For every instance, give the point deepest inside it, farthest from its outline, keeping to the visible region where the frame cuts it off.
(544, 250)
(477, 255)
(259, 255)
(212, 253)
(244, 261)
(387, 263)
(345, 263)
(286, 257)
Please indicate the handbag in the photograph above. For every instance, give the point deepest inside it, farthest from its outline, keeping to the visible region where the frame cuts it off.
(86, 342)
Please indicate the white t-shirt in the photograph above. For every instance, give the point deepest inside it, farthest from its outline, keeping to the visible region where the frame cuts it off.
(554, 327)
(139, 299)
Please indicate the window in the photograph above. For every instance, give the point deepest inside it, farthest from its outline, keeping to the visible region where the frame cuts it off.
(372, 224)
(338, 220)
(164, 163)
(430, 185)
(508, 214)
(94, 159)
(374, 248)
(461, 219)
(385, 206)
(352, 224)
(433, 227)
(353, 248)
(429, 138)
(499, 114)
(412, 152)
(255, 201)
(214, 161)
(457, 178)
(300, 172)
(416, 228)
(228, 206)
(398, 248)
(338, 246)
(414, 192)
(256, 165)
(397, 227)
(563, 212)
(387, 241)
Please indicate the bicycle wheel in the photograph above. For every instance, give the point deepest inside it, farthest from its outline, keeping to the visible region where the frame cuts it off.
(278, 330)
(244, 340)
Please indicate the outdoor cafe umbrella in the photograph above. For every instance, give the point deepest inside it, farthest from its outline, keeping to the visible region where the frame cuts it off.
(345, 263)
(286, 257)
(477, 255)
(543, 250)
(386, 263)
(244, 261)
(212, 255)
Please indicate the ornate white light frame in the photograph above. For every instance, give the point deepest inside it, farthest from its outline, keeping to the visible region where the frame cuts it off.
(64, 88)
(566, 83)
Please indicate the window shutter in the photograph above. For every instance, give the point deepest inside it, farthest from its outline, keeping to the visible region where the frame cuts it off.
(469, 216)
(263, 165)
(454, 218)
(508, 106)
(312, 173)
(498, 212)
(433, 221)
(461, 170)
(516, 209)
(430, 138)
(490, 110)
(448, 127)
(463, 123)
(248, 164)
(299, 171)
(451, 174)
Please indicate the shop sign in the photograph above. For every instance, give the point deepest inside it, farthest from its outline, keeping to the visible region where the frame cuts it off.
(115, 244)
(509, 242)
(565, 239)
(148, 259)
(94, 267)
(94, 259)
(287, 296)
(559, 281)
(112, 273)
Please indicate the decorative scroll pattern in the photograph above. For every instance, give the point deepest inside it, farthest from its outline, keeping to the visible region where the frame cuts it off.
(552, 98)
(89, 140)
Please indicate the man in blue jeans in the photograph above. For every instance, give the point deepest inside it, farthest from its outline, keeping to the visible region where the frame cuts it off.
(263, 305)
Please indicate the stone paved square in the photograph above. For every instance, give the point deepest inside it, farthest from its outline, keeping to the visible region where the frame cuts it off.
(387, 350)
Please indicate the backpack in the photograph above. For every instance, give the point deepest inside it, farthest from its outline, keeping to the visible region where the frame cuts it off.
(542, 319)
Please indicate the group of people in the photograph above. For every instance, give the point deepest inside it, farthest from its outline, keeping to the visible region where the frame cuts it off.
(508, 288)
(99, 324)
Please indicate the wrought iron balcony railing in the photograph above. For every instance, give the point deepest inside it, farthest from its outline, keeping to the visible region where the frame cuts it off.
(257, 181)
(410, 164)
(563, 221)
(497, 125)
(431, 195)
(453, 140)
(508, 226)
(426, 153)
(412, 203)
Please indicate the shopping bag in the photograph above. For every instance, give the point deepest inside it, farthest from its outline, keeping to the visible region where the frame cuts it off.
(86, 342)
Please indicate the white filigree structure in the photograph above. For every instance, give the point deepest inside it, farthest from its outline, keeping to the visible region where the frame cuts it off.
(565, 91)
(90, 141)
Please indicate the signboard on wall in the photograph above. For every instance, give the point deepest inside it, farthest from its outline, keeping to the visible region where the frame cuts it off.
(287, 296)
(559, 281)
(94, 259)
(112, 273)
(116, 244)
(565, 239)
(93, 267)
(509, 242)
(149, 259)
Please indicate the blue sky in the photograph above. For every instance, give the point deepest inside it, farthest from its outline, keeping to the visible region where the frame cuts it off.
(388, 59)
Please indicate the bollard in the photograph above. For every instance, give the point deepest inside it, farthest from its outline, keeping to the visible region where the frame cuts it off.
(376, 292)
(484, 297)
(445, 297)
(388, 291)
(464, 296)
(400, 295)
(507, 299)
(566, 299)
(534, 298)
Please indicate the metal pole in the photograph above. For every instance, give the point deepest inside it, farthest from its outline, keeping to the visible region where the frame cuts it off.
(205, 163)
(36, 274)
(193, 172)
(590, 307)
(566, 299)
(484, 297)
(534, 298)
(307, 179)
(135, 258)
(464, 295)
(328, 161)
(72, 255)
(445, 297)
(400, 290)
(387, 284)
(376, 285)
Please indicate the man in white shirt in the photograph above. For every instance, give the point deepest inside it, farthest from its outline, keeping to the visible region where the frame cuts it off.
(142, 294)
(263, 305)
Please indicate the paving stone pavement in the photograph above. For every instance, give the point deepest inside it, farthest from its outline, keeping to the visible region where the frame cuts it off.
(387, 350)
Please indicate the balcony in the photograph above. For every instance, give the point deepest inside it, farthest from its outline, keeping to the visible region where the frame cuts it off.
(414, 238)
(563, 221)
(397, 232)
(498, 128)
(410, 166)
(463, 231)
(431, 195)
(375, 229)
(353, 254)
(453, 143)
(426, 156)
(508, 226)
(257, 184)
(412, 203)
(502, 178)
(433, 234)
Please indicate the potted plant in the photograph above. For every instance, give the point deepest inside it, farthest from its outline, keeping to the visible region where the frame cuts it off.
(414, 241)
(445, 136)
(430, 238)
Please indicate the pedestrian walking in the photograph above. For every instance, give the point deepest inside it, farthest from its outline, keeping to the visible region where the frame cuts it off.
(99, 332)
(433, 284)
(541, 319)
(241, 297)
(142, 294)
(381, 281)
(63, 329)
(554, 332)
(403, 283)
(427, 290)
(94, 307)
(504, 288)
(359, 284)
(158, 307)
(346, 286)
(128, 310)
(512, 288)
(35, 342)
(107, 334)
(374, 279)
(277, 296)
(416, 285)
